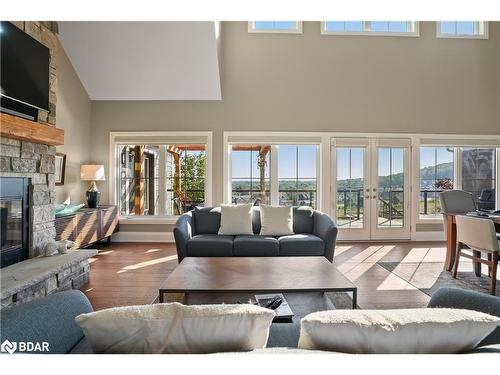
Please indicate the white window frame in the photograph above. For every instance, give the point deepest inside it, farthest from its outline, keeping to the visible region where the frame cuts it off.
(326, 165)
(296, 30)
(433, 219)
(457, 141)
(413, 26)
(480, 28)
(161, 137)
(254, 139)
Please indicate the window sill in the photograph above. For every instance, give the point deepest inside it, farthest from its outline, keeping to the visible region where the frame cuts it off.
(144, 220)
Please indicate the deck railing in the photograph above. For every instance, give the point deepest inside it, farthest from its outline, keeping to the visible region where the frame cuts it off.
(252, 195)
(390, 203)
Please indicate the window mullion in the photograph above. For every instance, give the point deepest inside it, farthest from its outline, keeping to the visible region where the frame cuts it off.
(274, 175)
(162, 182)
(458, 168)
(367, 26)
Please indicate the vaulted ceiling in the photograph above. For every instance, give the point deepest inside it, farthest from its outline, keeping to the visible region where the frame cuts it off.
(144, 60)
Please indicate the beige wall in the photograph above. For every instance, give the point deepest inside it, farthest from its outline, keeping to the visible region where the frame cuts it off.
(313, 82)
(73, 115)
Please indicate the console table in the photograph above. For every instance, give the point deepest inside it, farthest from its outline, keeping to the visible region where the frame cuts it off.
(88, 225)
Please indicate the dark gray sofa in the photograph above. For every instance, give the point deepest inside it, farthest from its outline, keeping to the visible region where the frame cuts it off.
(196, 236)
(52, 319)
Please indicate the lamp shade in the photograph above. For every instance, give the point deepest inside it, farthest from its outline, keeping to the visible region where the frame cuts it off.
(92, 172)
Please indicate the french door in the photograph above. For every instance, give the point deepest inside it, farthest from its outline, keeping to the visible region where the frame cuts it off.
(371, 188)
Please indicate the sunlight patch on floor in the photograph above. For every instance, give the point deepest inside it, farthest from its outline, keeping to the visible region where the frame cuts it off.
(421, 275)
(435, 254)
(366, 253)
(415, 255)
(341, 249)
(105, 252)
(354, 272)
(148, 263)
(380, 254)
(393, 282)
(152, 251)
(92, 260)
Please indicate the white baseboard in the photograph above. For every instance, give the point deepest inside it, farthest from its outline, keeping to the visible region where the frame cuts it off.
(143, 237)
(428, 236)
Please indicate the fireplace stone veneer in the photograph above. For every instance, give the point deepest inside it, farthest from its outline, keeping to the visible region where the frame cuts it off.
(36, 162)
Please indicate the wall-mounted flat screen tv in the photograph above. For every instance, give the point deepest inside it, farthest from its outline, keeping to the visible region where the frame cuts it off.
(24, 67)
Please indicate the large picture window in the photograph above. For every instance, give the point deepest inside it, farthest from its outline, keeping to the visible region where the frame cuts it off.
(161, 179)
(292, 181)
(251, 181)
(475, 173)
(436, 175)
(297, 175)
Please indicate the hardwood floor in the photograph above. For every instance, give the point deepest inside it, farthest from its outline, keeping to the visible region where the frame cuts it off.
(388, 275)
(128, 273)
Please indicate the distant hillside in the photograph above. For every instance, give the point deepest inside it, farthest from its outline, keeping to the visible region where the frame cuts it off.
(444, 170)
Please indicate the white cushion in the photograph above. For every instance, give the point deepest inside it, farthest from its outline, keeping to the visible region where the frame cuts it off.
(235, 220)
(276, 220)
(177, 328)
(409, 331)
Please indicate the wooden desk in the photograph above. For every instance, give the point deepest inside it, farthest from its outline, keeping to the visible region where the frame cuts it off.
(451, 241)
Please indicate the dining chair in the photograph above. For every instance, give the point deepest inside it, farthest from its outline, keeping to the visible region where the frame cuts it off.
(478, 235)
(457, 202)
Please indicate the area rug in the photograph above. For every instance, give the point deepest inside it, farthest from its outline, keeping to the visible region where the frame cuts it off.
(429, 277)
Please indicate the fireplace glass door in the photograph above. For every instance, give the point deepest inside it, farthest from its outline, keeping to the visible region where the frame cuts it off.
(14, 220)
(11, 219)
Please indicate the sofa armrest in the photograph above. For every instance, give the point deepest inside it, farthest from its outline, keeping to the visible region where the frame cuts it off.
(467, 299)
(326, 229)
(50, 319)
(183, 231)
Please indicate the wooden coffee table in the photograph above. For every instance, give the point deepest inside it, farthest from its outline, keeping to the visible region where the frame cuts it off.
(256, 275)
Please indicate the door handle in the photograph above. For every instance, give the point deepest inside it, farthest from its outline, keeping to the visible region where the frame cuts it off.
(367, 197)
(374, 197)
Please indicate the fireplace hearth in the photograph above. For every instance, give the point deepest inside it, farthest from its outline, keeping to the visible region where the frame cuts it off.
(14, 220)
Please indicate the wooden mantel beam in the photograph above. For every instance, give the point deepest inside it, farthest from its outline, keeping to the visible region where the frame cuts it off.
(26, 130)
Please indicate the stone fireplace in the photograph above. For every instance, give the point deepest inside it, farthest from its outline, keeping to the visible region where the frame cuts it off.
(35, 162)
(27, 154)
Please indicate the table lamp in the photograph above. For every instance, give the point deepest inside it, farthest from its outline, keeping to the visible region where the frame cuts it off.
(93, 173)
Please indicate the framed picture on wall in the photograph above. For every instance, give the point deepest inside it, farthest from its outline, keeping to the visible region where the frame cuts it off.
(60, 171)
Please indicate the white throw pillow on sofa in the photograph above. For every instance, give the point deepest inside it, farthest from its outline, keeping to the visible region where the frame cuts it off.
(236, 219)
(409, 331)
(177, 328)
(276, 220)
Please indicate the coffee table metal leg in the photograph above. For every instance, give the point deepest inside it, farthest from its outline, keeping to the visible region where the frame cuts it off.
(355, 299)
(160, 297)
